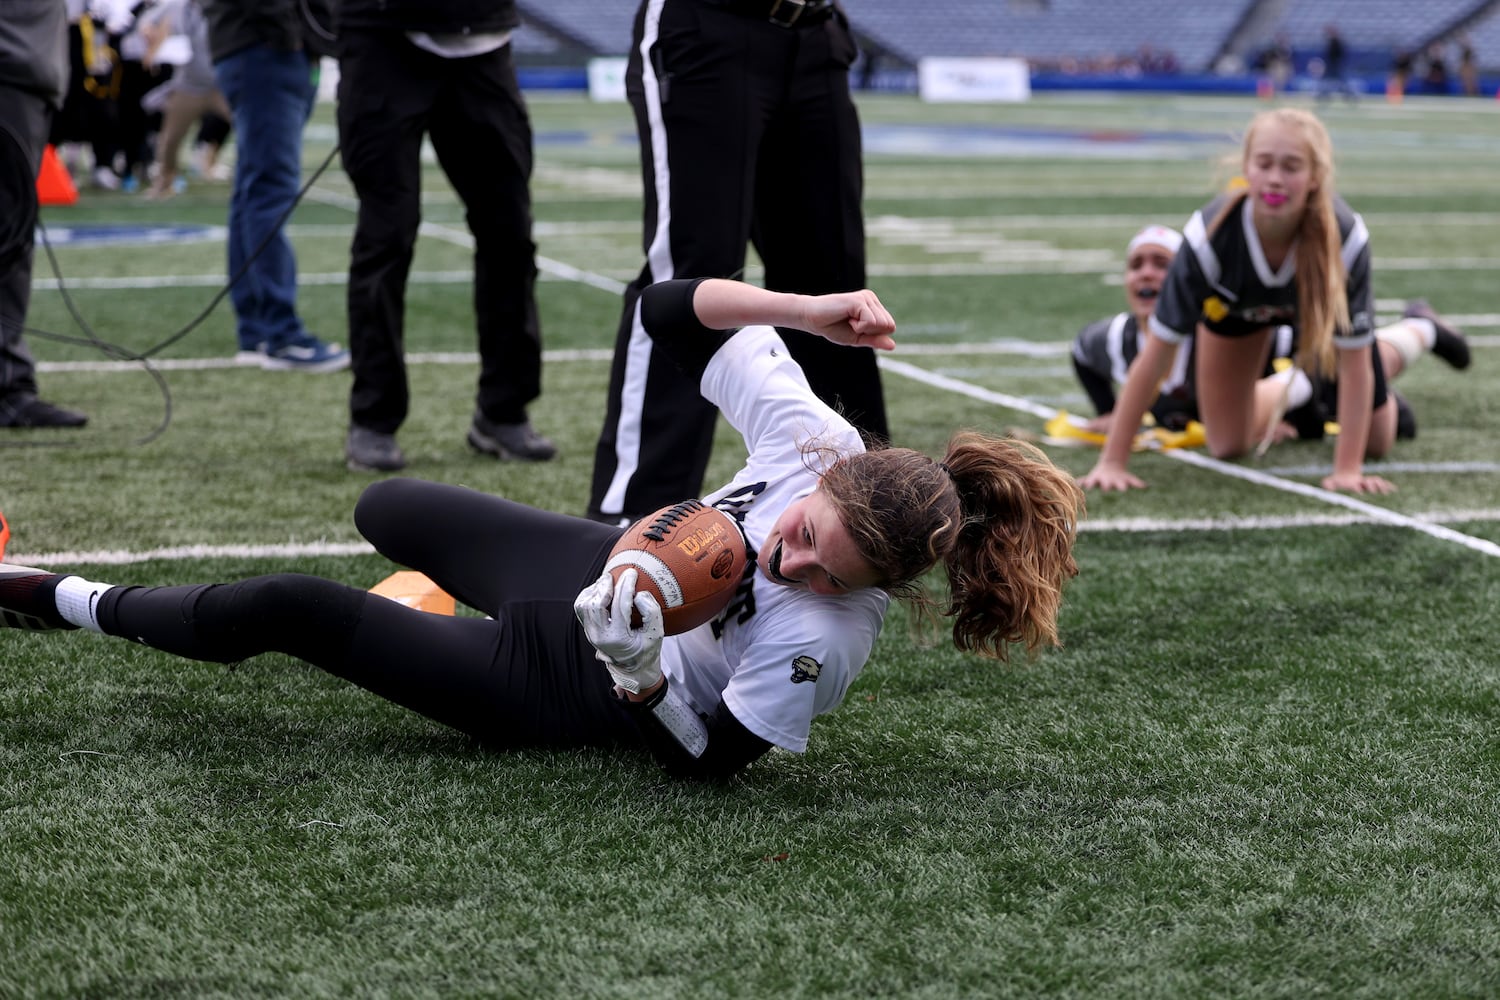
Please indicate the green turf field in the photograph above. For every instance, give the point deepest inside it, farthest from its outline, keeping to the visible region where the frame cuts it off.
(1264, 764)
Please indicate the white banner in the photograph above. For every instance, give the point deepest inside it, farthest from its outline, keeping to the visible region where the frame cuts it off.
(607, 78)
(947, 79)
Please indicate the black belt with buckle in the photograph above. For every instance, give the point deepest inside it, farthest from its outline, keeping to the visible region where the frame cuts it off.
(787, 13)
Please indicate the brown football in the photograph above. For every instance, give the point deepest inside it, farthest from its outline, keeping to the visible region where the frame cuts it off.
(689, 555)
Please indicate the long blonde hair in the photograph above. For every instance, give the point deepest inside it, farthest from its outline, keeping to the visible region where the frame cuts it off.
(1322, 295)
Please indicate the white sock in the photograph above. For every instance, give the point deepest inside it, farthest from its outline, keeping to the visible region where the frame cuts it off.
(78, 601)
(1411, 337)
(1299, 387)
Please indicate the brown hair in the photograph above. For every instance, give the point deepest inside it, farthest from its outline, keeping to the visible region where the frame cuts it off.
(1322, 298)
(996, 513)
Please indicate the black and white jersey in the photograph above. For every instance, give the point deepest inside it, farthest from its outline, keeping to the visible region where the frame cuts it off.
(1223, 281)
(778, 655)
(1109, 346)
(1104, 350)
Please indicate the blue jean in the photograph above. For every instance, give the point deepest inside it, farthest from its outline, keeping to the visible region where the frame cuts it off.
(271, 93)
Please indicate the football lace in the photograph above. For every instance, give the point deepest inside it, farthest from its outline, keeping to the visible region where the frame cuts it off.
(668, 519)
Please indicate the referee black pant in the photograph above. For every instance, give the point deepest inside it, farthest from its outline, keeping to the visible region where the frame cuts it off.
(391, 95)
(748, 136)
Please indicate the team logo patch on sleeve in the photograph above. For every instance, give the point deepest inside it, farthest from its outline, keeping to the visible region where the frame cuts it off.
(805, 668)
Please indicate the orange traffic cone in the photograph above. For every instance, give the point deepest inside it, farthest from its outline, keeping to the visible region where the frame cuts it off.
(4, 536)
(415, 590)
(53, 185)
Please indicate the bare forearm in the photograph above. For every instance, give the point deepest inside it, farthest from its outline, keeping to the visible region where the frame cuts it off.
(722, 304)
(1356, 394)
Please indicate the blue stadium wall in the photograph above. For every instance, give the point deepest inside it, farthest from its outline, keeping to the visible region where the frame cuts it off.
(905, 82)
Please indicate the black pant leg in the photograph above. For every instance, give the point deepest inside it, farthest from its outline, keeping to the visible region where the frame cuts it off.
(703, 95)
(482, 135)
(809, 217)
(658, 429)
(24, 121)
(386, 89)
(527, 678)
(484, 550)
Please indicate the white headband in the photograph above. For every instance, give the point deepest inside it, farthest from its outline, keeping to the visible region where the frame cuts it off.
(1160, 236)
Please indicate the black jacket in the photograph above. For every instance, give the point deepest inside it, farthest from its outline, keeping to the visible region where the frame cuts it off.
(34, 48)
(287, 25)
(442, 16)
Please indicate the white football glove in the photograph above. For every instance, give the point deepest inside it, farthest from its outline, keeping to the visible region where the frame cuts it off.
(633, 655)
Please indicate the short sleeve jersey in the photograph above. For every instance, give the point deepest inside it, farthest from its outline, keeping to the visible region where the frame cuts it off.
(777, 655)
(1222, 279)
(1109, 346)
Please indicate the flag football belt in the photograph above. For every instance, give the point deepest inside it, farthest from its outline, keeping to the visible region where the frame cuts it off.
(787, 13)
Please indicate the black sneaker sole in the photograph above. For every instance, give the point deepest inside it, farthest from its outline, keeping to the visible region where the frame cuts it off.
(1451, 347)
(1448, 343)
(489, 446)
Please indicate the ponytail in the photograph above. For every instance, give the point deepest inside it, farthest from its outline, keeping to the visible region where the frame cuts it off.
(995, 513)
(1322, 297)
(1014, 551)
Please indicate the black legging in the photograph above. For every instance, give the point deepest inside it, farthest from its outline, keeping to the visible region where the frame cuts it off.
(526, 678)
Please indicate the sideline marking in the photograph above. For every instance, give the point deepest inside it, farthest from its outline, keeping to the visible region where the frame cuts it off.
(208, 364)
(1258, 522)
(180, 553)
(1255, 476)
(294, 550)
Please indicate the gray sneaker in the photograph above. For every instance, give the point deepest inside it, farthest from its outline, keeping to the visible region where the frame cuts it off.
(520, 441)
(371, 451)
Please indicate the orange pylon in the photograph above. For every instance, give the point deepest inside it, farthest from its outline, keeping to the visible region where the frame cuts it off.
(53, 185)
(4, 536)
(415, 590)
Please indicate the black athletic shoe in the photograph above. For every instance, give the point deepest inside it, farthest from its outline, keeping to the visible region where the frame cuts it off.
(1451, 345)
(26, 599)
(29, 411)
(509, 440)
(1406, 420)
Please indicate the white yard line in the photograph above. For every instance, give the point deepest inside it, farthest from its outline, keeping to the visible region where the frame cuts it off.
(182, 553)
(1359, 511)
(1360, 507)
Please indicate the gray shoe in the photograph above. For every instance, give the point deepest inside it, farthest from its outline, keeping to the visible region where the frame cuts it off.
(504, 441)
(371, 451)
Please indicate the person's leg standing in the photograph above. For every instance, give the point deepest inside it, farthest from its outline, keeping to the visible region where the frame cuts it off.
(809, 219)
(135, 82)
(184, 108)
(481, 133)
(387, 87)
(24, 120)
(701, 86)
(271, 94)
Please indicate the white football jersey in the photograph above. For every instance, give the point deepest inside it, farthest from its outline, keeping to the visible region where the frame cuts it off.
(777, 655)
